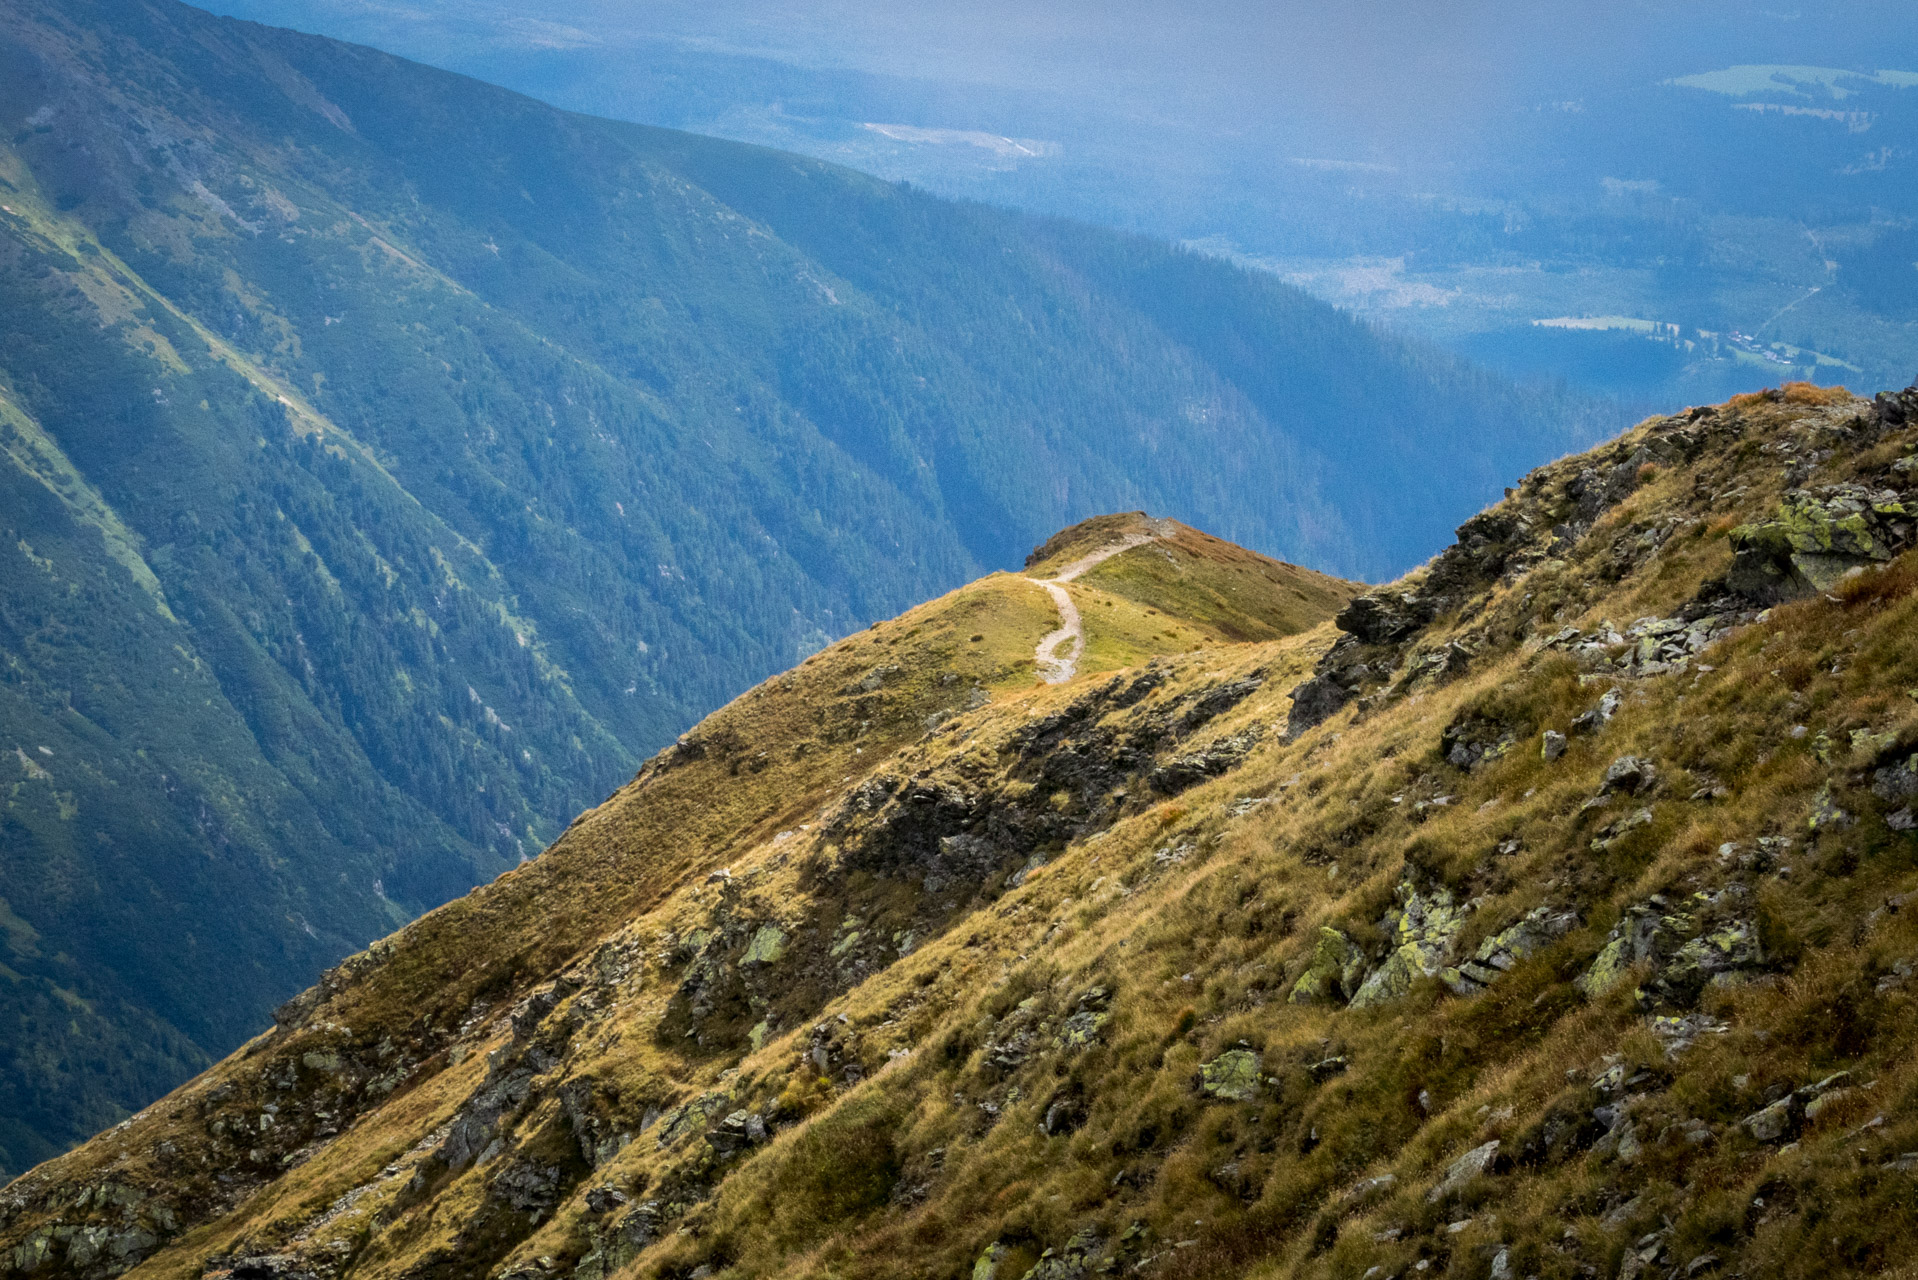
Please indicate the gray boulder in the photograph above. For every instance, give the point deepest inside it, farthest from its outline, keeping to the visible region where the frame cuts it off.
(1315, 702)
(1473, 1164)
(1629, 775)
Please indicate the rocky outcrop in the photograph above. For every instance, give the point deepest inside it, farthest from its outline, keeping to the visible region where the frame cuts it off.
(1817, 537)
(1473, 740)
(1385, 616)
(1502, 951)
(1315, 702)
(1377, 658)
(619, 1237)
(1081, 1027)
(1423, 929)
(1070, 1261)
(1334, 973)
(948, 836)
(1684, 951)
(1210, 761)
(1654, 646)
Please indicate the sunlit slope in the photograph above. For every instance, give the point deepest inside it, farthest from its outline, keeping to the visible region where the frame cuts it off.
(1233, 593)
(1543, 915)
(715, 817)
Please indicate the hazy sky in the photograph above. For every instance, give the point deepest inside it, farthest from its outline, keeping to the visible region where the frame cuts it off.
(1457, 168)
(1393, 74)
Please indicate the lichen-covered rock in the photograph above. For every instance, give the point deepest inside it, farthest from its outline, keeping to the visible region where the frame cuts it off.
(1713, 956)
(1552, 746)
(1081, 1027)
(1669, 644)
(767, 946)
(1613, 832)
(1826, 813)
(692, 1117)
(1233, 1075)
(1815, 539)
(33, 1252)
(615, 1246)
(1825, 1102)
(1679, 1032)
(1335, 972)
(1069, 1262)
(1503, 950)
(1644, 933)
(1685, 950)
(1866, 744)
(1423, 930)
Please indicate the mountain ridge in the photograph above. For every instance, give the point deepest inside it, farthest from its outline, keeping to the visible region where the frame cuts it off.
(1481, 929)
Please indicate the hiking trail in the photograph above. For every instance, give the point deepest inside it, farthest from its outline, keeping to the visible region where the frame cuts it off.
(1055, 667)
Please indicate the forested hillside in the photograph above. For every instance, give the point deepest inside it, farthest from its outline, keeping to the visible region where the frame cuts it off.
(393, 462)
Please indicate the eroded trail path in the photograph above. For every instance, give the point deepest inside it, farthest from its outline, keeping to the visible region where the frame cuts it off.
(1059, 652)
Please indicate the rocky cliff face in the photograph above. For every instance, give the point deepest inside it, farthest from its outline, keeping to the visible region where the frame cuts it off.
(1546, 914)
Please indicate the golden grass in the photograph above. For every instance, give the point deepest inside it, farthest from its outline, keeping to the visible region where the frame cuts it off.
(1197, 915)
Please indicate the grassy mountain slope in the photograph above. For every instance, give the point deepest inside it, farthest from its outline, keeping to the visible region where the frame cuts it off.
(1545, 916)
(393, 462)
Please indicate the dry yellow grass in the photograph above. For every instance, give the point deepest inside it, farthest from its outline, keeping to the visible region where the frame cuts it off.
(1011, 945)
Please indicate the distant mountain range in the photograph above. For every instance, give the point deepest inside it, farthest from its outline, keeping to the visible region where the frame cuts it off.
(1458, 174)
(393, 462)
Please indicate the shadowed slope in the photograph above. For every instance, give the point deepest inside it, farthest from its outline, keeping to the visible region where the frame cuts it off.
(391, 463)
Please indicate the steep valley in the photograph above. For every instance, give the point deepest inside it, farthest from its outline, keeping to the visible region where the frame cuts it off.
(1545, 913)
(389, 464)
